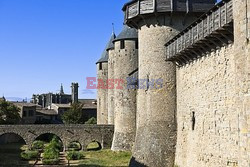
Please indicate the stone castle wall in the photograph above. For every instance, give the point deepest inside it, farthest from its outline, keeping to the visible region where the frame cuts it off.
(208, 100)
(242, 70)
(207, 117)
(213, 103)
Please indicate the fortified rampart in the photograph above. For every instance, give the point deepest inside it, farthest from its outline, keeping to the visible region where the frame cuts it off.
(200, 117)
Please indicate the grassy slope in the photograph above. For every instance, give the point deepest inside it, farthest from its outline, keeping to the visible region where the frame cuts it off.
(105, 158)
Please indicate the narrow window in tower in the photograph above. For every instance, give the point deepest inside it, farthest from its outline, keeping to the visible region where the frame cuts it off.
(100, 66)
(122, 44)
(193, 120)
(136, 44)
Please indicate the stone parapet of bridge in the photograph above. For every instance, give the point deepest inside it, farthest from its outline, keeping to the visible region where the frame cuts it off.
(84, 134)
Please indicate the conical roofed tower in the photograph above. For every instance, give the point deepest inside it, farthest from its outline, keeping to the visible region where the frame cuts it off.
(126, 61)
(102, 76)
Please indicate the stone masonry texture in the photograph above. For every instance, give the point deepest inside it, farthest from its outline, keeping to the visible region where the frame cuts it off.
(84, 134)
(206, 92)
(242, 78)
(110, 101)
(125, 99)
(213, 96)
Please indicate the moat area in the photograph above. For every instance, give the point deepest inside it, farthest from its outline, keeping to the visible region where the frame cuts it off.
(17, 154)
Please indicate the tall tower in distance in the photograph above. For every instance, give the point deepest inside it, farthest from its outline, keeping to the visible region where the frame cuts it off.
(74, 94)
(61, 90)
(158, 21)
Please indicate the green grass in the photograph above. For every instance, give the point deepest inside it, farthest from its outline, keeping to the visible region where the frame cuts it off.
(10, 157)
(105, 158)
(29, 155)
(94, 146)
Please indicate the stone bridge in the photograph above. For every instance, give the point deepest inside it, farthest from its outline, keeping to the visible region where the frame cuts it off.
(84, 134)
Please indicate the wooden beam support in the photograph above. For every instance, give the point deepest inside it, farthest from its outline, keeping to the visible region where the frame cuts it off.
(223, 41)
(144, 20)
(185, 47)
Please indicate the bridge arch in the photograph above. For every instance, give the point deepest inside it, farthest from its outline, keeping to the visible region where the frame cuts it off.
(74, 144)
(84, 134)
(93, 146)
(12, 137)
(48, 136)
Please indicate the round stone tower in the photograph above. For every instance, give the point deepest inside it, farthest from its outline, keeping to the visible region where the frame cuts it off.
(157, 22)
(102, 91)
(111, 53)
(126, 61)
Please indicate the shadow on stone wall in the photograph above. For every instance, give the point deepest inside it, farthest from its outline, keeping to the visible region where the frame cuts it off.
(134, 163)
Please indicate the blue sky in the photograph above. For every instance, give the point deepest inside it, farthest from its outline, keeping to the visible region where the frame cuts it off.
(44, 43)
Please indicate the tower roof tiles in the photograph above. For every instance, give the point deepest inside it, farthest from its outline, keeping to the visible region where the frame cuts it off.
(127, 33)
(110, 45)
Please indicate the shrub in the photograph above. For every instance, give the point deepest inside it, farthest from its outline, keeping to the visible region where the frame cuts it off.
(91, 121)
(37, 145)
(29, 155)
(74, 146)
(50, 156)
(55, 143)
(75, 155)
(52, 152)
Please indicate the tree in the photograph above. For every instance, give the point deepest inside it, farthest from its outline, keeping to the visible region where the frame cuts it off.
(74, 115)
(9, 113)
